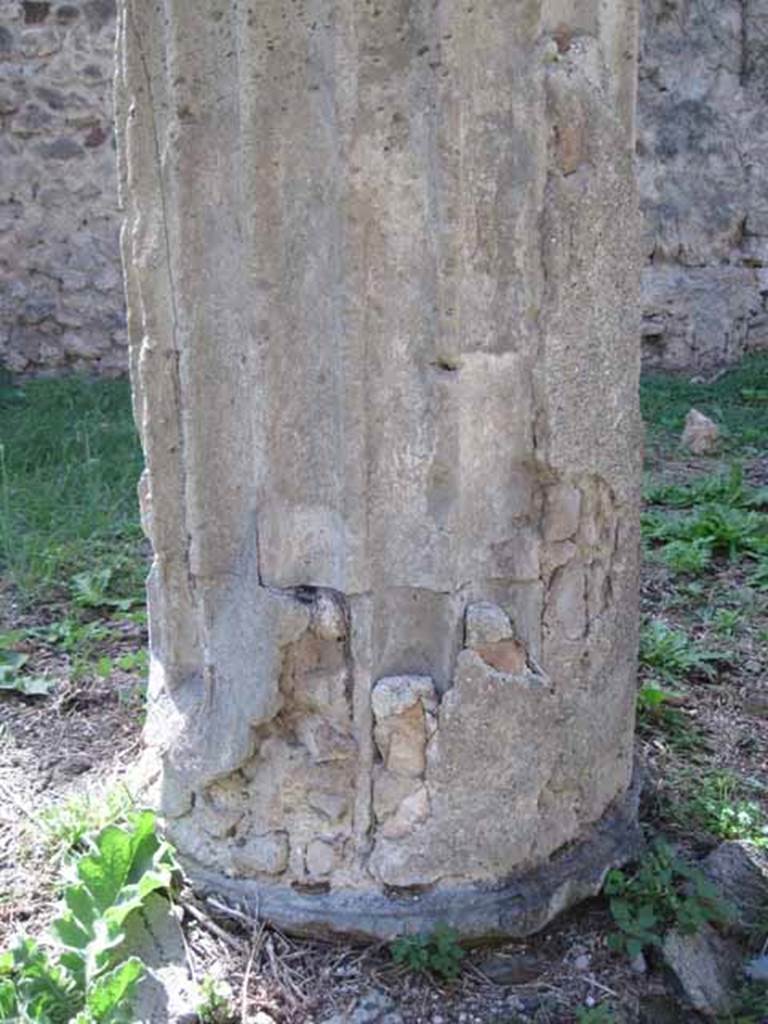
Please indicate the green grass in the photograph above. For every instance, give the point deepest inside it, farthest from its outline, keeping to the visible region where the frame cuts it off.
(737, 401)
(69, 465)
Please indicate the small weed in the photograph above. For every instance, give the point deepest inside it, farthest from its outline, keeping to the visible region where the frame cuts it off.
(689, 543)
(438, 953)
(717, 806)
(672, 654)
(67, 824)
(664, 893)
(134, 661)
(215, 1006)
(83, 640)
(656, 714)
(687, 557)
(99, 589)
(727, 621)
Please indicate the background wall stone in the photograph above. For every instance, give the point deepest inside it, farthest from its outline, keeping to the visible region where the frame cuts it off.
(703, 167)
(702, 159)
(61, 292)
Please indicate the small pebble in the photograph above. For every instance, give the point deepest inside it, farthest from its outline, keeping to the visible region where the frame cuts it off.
(583, 962)
(638, 964)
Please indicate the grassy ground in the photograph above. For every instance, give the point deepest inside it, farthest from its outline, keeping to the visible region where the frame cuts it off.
(70, 464)
(73, 631)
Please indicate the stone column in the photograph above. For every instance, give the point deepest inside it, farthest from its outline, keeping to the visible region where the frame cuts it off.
(381, 261)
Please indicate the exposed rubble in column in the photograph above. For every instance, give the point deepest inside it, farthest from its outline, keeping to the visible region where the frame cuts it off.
(382, 268)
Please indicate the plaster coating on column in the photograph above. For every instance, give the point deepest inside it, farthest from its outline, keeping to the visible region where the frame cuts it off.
(381, 263)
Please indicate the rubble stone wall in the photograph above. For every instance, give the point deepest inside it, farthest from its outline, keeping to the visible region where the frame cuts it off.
(702, 160)
(61, 289)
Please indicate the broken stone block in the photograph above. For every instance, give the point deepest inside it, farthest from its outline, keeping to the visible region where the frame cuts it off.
(740, 871)
(396, 694)
(402, 741)
(329, 621)
(486, 623)
(562, 512)
(706, 966)
(401, 708)
(321, 858)
(389, 791)
(412, 812)
(701, 435)
(332, 806)
(325, 741)
(267, 854)
(506, 656)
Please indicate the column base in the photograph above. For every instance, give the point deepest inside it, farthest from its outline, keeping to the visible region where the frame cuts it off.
(519, 906)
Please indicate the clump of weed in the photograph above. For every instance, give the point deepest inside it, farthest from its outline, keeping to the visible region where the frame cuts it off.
(215, 1006)
(657, 713)
(663, 893)
(437, 953)
(717, 804)
(672, 654)
(723, 488)
(66, 825)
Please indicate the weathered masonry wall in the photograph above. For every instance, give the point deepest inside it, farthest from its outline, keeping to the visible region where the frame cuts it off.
(702, 151)
(61, 291)
(703, 166)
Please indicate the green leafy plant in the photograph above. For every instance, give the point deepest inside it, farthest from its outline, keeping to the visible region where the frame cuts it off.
(663, 893)
(12, 677)
(717, 805)
(134, 661)
(727, 621)
(83, 640)
(672, 654)
(727, 489)
(215, 1006)
(438, 952)
(81, 978)
(688, 557)
(95, 589)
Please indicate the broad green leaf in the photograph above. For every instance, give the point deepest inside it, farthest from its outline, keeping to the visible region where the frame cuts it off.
(11, 662)
(8, 1006)
(29, 686)
(105, 870)
(109, 995)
